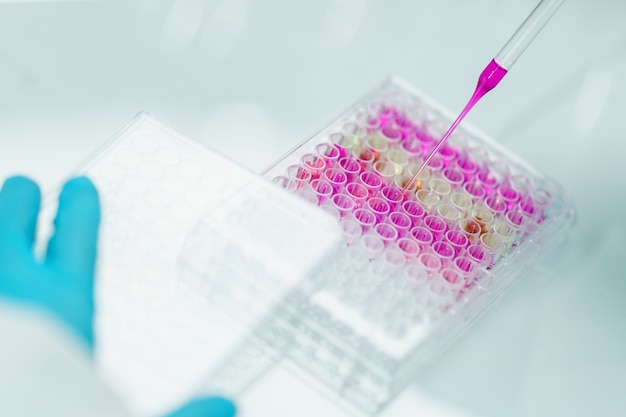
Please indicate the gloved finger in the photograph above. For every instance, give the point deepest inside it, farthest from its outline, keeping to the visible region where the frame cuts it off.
(72, 248)
(207, 407)
(20, 199)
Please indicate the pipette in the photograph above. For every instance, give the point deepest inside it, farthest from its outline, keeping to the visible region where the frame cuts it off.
(499, 66)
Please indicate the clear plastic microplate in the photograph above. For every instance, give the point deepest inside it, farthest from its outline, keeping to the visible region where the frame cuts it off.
(419, 266)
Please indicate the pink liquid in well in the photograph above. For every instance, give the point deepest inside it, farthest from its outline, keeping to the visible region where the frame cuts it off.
(422, 235)
(357, 191)
(454, 176)
(413, 210)
(447, 154)
(392, 194)
(378, 206)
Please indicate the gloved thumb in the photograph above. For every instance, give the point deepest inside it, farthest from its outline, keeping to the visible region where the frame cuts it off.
(206, 407)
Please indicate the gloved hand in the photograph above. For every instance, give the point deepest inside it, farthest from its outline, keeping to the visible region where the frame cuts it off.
(62, 283)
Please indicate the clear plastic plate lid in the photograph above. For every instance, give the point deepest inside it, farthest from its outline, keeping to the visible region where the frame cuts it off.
(195, 253)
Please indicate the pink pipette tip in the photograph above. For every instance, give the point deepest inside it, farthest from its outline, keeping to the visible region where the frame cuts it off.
(488, 79)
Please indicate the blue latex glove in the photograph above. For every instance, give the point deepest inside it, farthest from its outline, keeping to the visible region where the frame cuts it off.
(206, 407)
(62, 283)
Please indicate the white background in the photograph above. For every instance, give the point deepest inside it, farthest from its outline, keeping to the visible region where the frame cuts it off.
(251, 79)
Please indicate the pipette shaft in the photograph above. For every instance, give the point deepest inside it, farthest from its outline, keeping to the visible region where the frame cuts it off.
(527, 31)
